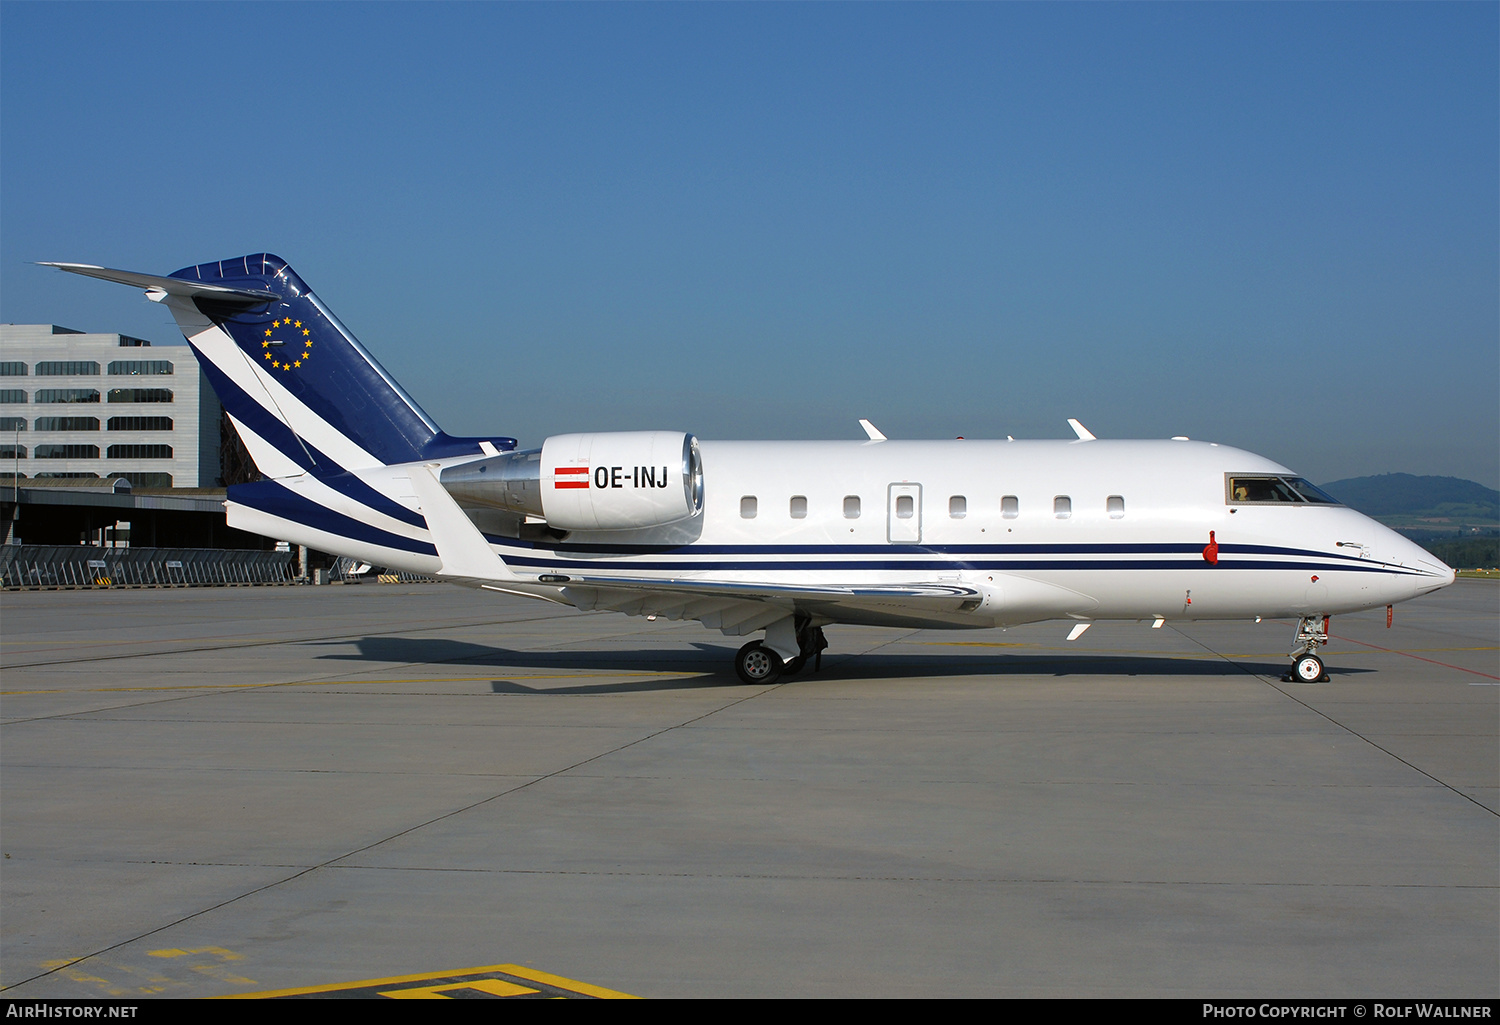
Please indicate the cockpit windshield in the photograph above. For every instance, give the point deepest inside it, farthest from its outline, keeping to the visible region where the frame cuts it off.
(1243, 489)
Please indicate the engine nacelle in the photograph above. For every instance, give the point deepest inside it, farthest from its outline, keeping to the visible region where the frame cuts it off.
(621, 480)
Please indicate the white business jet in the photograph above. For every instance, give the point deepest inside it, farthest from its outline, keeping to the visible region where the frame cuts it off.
(780, 537)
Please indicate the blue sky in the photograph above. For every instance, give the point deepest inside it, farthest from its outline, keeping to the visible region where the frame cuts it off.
(1269, 225)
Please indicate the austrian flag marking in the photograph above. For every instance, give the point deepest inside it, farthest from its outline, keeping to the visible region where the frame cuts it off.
(571, 477)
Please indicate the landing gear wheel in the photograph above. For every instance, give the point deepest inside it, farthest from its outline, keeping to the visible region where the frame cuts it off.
(795, 666)
(1308, 669)
(756, 663)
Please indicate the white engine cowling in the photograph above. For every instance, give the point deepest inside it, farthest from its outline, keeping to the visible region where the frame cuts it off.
(621, 480)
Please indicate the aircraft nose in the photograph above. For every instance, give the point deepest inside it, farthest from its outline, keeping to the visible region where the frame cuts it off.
(1434, 572)
(1425, 572)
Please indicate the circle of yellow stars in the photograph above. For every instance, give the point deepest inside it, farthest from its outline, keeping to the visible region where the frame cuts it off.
(305, 340)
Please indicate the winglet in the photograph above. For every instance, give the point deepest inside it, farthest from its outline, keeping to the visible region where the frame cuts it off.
(462, 549)
(872, 431)
(1080, 430)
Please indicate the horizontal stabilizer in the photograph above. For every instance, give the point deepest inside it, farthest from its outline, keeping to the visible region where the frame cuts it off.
(167, 286)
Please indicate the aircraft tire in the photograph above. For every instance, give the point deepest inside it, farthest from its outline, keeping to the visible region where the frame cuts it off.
(794, 667)
(757, 664)
(1309, 669)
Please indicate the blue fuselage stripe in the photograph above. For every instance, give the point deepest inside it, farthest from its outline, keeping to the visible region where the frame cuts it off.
(564, 549)
(955, 563)
(277, 500)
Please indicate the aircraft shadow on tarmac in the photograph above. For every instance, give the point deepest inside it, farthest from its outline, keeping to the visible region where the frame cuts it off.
(713, 662)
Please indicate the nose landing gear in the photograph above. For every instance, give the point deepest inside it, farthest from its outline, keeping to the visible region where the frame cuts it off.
(1307, 667)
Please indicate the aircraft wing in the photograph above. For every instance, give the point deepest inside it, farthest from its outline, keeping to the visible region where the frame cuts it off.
(740, 608)
(733, 607)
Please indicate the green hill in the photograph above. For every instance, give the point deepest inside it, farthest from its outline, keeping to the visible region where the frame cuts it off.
(1409, 496)
(1457, 520)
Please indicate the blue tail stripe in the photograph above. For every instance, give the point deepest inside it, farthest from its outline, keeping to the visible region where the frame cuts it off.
(311, 356)
(352, 487)
(270, 497)
(255, 416)
(258, 419)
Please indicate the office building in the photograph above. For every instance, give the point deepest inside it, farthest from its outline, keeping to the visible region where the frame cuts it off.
(105, 405)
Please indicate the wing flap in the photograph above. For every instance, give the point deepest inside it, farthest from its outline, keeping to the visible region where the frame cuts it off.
(738, 608)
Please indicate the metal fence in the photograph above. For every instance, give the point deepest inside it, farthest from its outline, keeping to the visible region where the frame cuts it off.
(79, 566)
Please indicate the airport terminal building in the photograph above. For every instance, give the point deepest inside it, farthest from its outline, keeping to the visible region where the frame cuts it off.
(76, 405)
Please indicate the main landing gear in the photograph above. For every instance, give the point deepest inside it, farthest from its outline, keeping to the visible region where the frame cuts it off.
(756, 662)
(1307, 667)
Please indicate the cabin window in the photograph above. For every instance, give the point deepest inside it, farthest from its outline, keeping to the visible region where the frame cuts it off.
(905, 507)
(1115, 505)
(799, 507)
(851, 507)
(1062, 507)
(747, 507)
(958, 507)
(1010, 507)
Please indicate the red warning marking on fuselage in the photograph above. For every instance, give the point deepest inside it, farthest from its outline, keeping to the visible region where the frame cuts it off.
(572, 470)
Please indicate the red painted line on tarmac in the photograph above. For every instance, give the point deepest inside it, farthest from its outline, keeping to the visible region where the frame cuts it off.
(1408, 654)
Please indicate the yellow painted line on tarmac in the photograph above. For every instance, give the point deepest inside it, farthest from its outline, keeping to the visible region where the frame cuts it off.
(1050, 648)
(1183, 654)
(976, 644)
(220, 952)
(1406, 650)
(489, 987)
(17, 648)
(503, 980)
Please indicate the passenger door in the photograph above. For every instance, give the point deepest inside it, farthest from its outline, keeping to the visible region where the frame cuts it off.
(904, 514)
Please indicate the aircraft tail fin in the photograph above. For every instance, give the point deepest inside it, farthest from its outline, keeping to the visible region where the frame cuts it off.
(304, 394)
